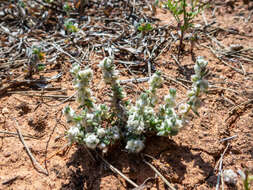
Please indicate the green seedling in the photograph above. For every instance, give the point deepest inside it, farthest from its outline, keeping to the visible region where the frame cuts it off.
(67, 8)
(70, 27)
(247, 178)
(35, 55)
(184, 12)
(145, 27)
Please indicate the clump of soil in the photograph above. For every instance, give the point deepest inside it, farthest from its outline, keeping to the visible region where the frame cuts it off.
(38, 122)
(23, 108)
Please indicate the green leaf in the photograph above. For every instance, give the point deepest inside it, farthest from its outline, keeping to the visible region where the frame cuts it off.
(195, 111)
(145, 27)
(174, 132)
(78, 118)
(41, 67)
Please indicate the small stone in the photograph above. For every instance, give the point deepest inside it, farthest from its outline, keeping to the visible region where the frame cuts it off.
(7, 154)
(230, 177)
(5, 110)
(236, 47)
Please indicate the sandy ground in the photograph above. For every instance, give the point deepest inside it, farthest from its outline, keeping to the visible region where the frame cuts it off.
(188, 161)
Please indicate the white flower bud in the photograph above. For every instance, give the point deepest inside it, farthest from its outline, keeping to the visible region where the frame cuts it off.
(101, 132)
(89, 116)
(102, 146)
(141, 103)
(203, 85)
(135, 145)
(110, 75)
(195, 78)
(242, 174)
(230, 177)
(149, 111)
(179, 123)
(183, 108)
(73, 133)
(155, 81)
(69, 113)
(116, 136)
(75, 69)
(115, 133)
(86, 74)
(135, 126)
(106, 63)
(197, 69)
(190, 93)
(170, 101)
(91, 140)
(201, 61)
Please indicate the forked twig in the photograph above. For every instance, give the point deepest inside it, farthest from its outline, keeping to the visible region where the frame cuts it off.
(159, 174)
(66, 53)
(115, 170)
(220, 168)
(237, 106)
(35, 164)
(220, 59)
(53, 154)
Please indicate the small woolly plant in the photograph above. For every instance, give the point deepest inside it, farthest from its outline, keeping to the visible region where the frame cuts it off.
(35, 55)
(100, 125)
(184, 12)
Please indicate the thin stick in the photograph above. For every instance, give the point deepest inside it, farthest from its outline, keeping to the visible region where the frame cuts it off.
(52, 155)
(165, 48)
(115, 170)
(215, 54)
(44, 96)
(143, 186)
(149, 69)
(12, 133)
(11, 180)
(35, 164)
(220, 168)
(222, 181)
(90, 154)
(177, 62)
(50, 136)
(66, 53)
(65, 100)
(134, 80)
(175, 80)
(244, 103)
(204, 18)
(213, 87)
(6, 31)
(228, 138)
(159, 174)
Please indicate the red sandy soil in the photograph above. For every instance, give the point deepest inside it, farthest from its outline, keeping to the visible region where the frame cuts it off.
(188, 160)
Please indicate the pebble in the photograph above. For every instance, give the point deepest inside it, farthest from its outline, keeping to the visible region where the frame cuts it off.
(5, 110)
(230, 177)
(7, 154)
(236, 47)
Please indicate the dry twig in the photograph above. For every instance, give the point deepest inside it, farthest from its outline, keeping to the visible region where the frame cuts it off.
(115, 170)
(220, 169)
(12, 133)
(35, 164)
(159, 174)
